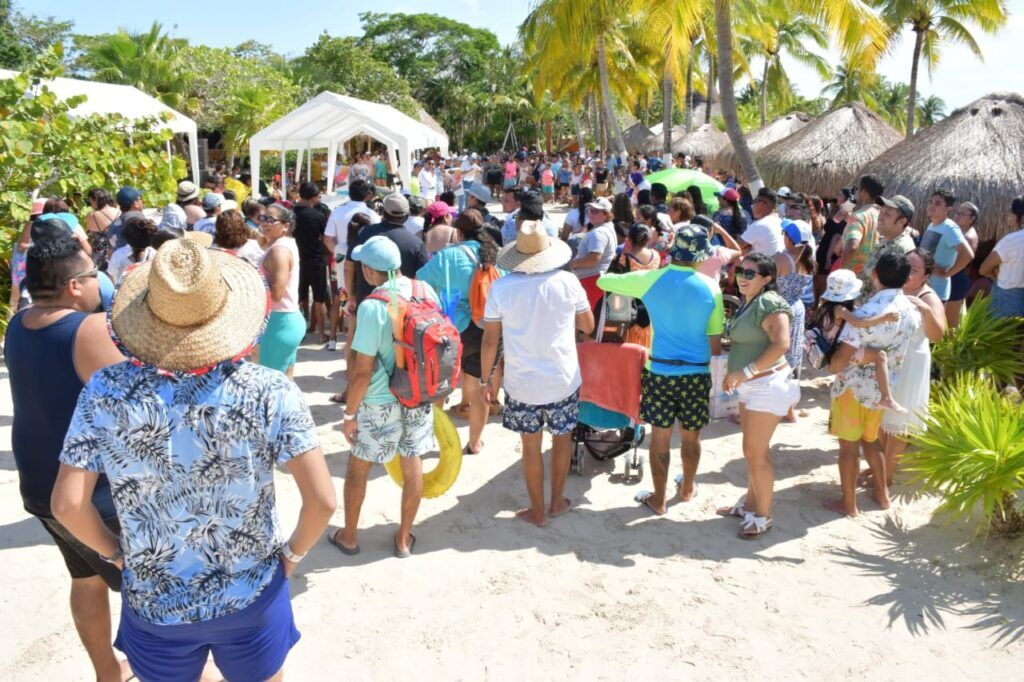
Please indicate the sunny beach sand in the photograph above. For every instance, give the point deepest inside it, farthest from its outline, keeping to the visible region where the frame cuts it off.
(606, 592)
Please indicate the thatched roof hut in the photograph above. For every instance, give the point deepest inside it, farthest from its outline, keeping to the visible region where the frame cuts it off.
(780, 128)
(636, 137)
(977, 153)
(706, 141)
(827, 153)
(654, 142)
(429, 121)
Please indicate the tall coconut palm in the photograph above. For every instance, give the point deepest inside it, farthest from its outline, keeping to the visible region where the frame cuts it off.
(931, 110)
(936, 22)
(677, 21)
(852, 82)
(777, 31)
(857, 29)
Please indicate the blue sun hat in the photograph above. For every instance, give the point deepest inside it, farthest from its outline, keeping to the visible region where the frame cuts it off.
(379, 253)
(690, 245)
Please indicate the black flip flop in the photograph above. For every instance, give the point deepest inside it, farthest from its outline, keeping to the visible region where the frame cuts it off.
(467, 451)
(350, 551)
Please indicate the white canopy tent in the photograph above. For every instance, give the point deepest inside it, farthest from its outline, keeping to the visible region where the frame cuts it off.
(132, 103)
(328, 120)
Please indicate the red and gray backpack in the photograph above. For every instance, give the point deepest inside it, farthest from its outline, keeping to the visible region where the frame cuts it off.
(430, 349)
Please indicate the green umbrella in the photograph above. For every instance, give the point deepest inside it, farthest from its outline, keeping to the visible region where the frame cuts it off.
(678, 179)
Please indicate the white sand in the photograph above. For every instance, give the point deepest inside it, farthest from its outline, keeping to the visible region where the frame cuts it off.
(604, 592)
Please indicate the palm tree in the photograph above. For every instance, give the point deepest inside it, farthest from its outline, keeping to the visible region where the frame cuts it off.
(889, 101)
(251, 108)
(777, 31)
(677, 21)
(148, 61)
(935, 22)
(851, 83)
(931, 110)
(858, 30)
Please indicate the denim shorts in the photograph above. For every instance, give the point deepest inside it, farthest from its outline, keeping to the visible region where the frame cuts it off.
(250, 644)
(385, 430)
(560, 417)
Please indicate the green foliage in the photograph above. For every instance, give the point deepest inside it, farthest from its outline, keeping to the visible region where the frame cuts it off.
(44, 147)
(971, 452)
(345, 66)
(982, 344)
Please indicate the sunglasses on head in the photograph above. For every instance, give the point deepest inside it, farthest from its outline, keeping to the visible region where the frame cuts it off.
(88, 274)
(747, 273)
(267, 219)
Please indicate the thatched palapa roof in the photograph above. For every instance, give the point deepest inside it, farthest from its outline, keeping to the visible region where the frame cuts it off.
(635, 137)
(977, 153)
(827, 153)
(654, 142)
(780, 128)
(706, 141)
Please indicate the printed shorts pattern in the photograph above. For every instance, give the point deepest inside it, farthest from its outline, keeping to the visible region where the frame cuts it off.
(389, 429)
(664, 399)
(560, 417)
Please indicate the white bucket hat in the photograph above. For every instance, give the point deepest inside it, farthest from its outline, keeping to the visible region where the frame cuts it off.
(842, 285)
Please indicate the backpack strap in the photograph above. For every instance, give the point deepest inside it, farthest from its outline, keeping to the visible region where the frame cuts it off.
(469, 252)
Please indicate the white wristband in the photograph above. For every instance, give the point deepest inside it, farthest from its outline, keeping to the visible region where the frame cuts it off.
(290, 555)
(348, 418)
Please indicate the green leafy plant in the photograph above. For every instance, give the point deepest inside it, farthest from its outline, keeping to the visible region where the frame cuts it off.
(971, 453)
(982, 343)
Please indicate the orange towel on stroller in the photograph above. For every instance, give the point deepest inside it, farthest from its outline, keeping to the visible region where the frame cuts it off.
(611, 375)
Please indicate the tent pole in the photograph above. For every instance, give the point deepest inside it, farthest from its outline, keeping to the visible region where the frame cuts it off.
(309, 161)
(284, 176)
(332, 164)
(298, 165)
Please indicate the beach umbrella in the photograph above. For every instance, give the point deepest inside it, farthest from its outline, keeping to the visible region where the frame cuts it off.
(678, 179)
(975, 153)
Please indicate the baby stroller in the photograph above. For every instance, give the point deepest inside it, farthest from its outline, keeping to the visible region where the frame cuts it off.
(603, 431)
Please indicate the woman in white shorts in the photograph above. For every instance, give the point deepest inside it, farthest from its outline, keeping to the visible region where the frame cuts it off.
(759, 332)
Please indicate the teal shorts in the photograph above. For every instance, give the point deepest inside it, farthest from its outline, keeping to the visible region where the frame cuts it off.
(280, 342)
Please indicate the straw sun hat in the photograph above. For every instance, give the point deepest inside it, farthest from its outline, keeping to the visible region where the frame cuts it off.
(189, 308)
(534, 251)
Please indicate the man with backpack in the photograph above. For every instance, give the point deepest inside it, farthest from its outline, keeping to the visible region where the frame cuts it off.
(376, 424)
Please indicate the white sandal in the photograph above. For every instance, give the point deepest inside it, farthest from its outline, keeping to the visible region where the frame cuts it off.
(735, 510)
(758, 524)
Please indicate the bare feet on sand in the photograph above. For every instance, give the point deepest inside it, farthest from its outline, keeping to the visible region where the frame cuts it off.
(839, 507)
(556, 510)
(529, 516)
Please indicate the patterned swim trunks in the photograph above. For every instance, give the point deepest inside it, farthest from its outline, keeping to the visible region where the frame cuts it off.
(560, 417)
(389, 429)
(664, 399)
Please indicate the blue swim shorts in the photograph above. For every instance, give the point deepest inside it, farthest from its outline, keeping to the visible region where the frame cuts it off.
(560, 417)
(250, 644)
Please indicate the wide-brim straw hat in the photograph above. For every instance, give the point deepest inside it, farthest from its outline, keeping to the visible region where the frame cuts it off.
(534, 250)
(189, 308)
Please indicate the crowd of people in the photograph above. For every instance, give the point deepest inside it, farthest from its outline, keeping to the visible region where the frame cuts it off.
(151, 357)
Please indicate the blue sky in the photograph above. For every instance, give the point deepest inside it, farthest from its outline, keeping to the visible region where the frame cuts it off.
(959, 79)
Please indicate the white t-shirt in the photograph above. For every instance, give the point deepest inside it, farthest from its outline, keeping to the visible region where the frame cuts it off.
(572, 219)
(428, 185)
(765, 235)
(532, 308)
(337, 222)
(414, 224)
(599, 240)
(207, 225)
(470, 173)
(1011, 260)
(122, 258)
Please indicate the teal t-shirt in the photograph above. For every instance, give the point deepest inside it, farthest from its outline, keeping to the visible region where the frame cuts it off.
(942, 240)
(374, 336)
(685, 308)
(453, 267)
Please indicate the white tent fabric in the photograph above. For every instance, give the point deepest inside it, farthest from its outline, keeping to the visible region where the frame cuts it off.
(132, 103)
(328, 120)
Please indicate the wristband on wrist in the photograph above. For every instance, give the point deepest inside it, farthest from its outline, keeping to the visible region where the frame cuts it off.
(348, 417)
(291, 556)
(749, 371)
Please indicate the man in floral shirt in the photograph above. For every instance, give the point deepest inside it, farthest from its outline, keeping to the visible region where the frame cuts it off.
(189, 434)
(855, 389)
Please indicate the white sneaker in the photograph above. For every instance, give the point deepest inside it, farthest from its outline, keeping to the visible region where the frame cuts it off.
(332, 345)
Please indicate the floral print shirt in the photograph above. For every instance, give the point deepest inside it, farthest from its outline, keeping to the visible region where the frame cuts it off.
(892, 337)
(190, 461)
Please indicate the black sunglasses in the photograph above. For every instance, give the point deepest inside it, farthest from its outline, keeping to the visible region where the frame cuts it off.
(747, 273)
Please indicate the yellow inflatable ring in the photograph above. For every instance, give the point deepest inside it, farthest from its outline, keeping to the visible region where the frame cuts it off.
(437, 481)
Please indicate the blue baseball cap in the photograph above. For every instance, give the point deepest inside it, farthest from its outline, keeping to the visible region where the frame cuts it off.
(792, 230)
(126, 196)
(690, 245)
(379, 253)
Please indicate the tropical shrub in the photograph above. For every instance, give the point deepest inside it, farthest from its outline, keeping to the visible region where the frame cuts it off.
(971, 453)
(982, 343)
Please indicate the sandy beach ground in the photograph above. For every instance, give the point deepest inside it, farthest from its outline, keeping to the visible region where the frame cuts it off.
(605, 592)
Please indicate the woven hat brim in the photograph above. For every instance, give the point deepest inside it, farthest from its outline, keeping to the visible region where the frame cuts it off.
(551, 258)
(184, 349)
